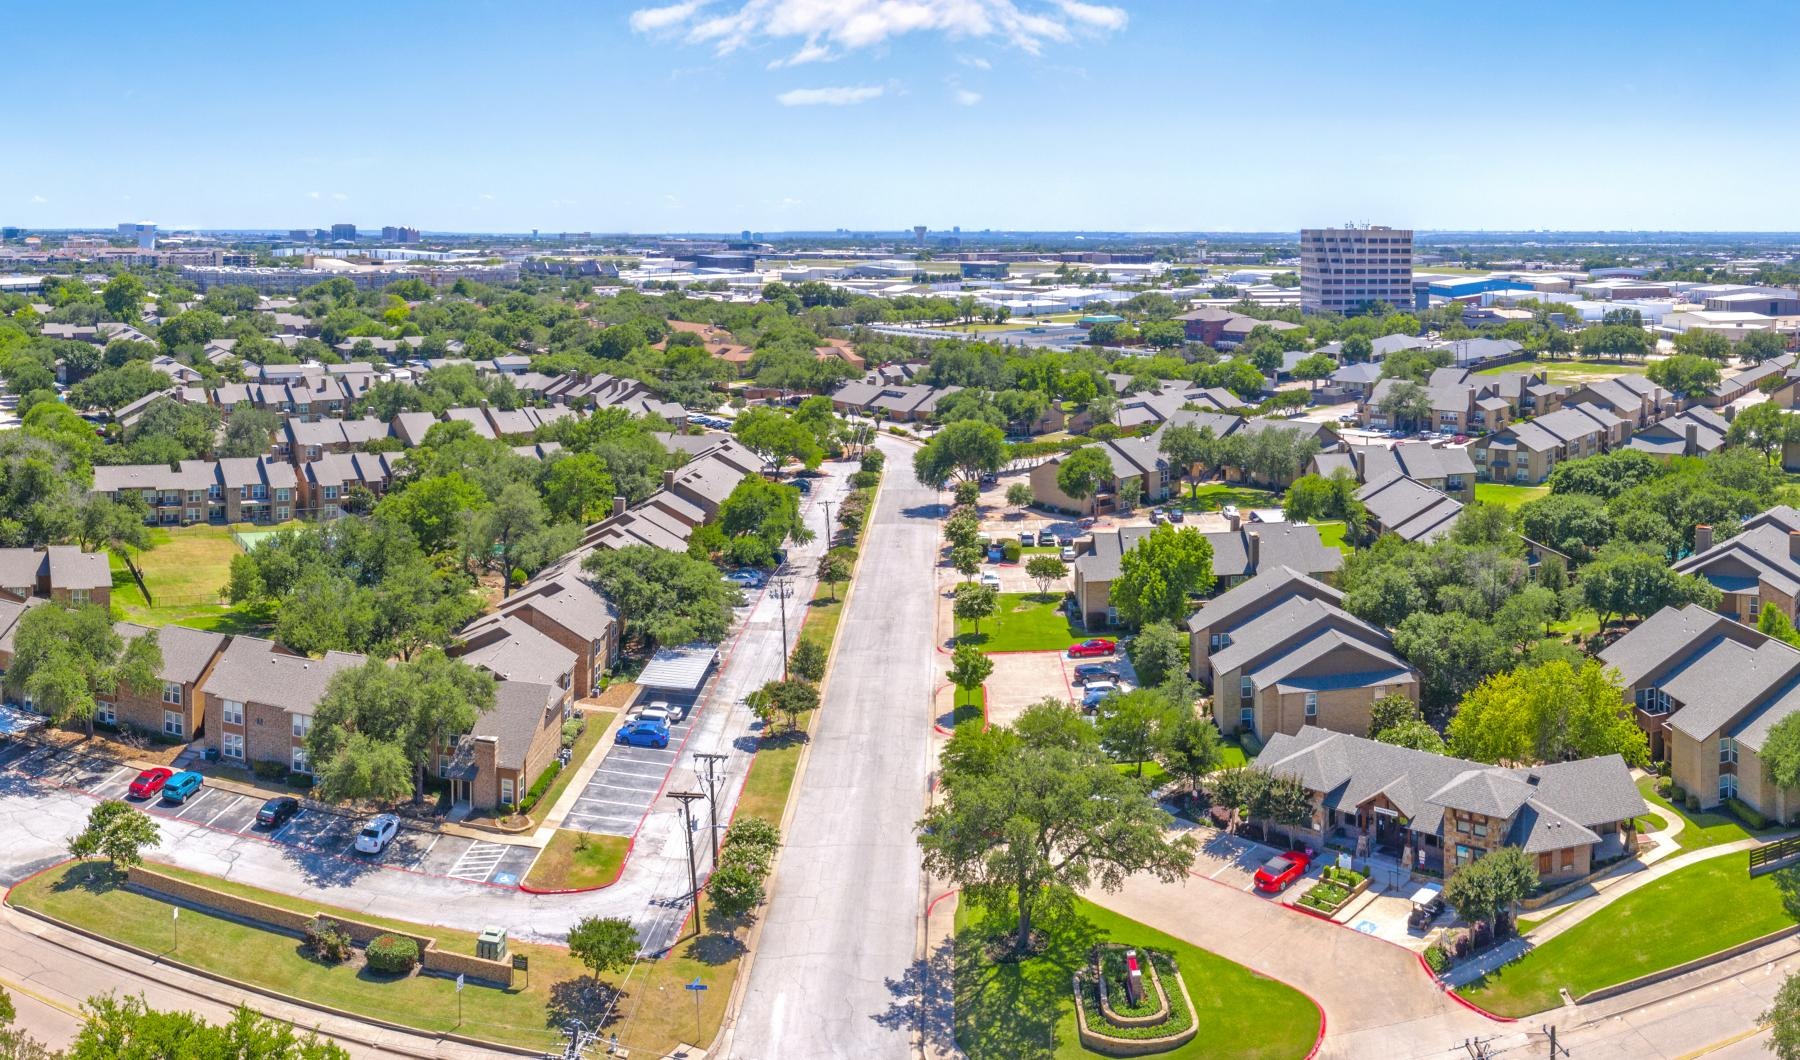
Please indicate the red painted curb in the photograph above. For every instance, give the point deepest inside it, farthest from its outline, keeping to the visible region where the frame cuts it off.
(6, 899)
(1461, 1000)
(528, 889)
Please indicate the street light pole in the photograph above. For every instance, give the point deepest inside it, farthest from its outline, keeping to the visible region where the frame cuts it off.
(782, 588)
(712, 797)
(686, 798)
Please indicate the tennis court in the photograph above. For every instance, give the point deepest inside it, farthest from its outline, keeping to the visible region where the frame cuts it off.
(249, 539)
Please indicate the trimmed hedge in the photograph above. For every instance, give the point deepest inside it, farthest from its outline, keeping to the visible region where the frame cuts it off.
(392, 955)
(1747, 814)
(1179, 1017)
(539, 786)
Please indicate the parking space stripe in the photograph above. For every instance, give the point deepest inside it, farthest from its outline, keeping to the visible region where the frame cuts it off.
(229, 804)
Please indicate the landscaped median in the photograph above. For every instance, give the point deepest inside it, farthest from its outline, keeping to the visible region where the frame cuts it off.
(1008, 1009)
(577, 861)
(1023, 622)
(221, 934)
(1693, 912)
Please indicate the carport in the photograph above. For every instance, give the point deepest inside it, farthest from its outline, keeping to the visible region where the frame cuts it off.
(681, 670)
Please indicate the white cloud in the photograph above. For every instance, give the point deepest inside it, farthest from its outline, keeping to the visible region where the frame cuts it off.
(829, 28)
(487, 196)
(975, 61)
(654, 19)
(312, 195)
(39, 199)
(965, 97)
(838, 96)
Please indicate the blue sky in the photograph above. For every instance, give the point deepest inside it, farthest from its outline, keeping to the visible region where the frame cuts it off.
(655, 115)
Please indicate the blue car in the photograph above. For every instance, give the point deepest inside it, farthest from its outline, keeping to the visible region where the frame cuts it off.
(644, 733)
(178, 787)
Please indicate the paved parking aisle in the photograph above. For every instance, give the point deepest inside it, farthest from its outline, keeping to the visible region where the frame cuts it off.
(626, 783)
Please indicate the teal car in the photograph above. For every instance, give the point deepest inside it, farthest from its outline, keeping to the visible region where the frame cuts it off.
(178, 787)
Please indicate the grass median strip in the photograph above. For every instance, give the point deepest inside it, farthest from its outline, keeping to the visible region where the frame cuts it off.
(1024, 622)
(578, 860)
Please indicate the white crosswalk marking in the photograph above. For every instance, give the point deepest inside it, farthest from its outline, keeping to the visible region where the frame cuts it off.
(477, 863)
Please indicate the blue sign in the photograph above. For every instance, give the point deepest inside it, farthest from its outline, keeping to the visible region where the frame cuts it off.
(695, 985)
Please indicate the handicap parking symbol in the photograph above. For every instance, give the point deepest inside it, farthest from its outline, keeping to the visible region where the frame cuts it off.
(506, 879)
(1367, 927)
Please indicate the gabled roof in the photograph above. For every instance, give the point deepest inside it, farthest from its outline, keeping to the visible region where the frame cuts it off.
(252, 670)
(186, 652)
(519, 709)
(1268, 588)
(1671, 634)
(1410, 509)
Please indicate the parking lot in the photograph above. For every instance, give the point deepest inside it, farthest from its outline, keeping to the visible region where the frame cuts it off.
(311, 831)
(628, 779)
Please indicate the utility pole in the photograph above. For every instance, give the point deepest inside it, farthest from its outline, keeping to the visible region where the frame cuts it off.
(828, 534)
(686, 798)
(712, 759)
(1554, 1046)
(782, 588)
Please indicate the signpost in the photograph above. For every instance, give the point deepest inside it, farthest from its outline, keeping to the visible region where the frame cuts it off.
(459, 986)
(695, 988)
(175, 915)
(521, 963)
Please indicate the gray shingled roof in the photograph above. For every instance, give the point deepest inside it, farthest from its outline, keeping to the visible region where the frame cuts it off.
(519, 708)
(1269, 587)
(251, 670)
(185, 651)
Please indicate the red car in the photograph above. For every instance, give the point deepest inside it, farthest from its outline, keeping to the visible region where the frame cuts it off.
(1090, 648)
(150, 781)
(1281, 870)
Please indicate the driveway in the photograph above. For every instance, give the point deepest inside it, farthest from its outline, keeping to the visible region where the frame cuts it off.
(841, 929)
(623, 788)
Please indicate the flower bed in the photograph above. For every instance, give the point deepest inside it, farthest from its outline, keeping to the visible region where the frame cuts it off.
(1108, 1024)
(1333, 891)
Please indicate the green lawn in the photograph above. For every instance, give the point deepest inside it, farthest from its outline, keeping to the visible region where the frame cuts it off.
(1024, 622)
(1508, 496)
(1571, 371)
(575, 860)
(1153, 772)
(1212, 496)
(1231, 754)
(186, 570)
(1701, 909)
(1702, 829)
(1026, 1009)
(1331, 535)
(970, 708)
(1585, 622)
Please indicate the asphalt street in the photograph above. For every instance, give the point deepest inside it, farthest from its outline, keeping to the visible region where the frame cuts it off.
(841, 929)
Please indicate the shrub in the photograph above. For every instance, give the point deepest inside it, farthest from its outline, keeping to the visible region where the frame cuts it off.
(1747, 814)
(327, 940)
(864, 479)
(1250, 743)
(391, 954)
(1662, 786)
(539, 786)
(1677, 794)
(1693, 803)
(1437, 959)
(300, 781)
(901, 431)
(571, 731)
(1010, 550)
(873, 460)
(269, 770)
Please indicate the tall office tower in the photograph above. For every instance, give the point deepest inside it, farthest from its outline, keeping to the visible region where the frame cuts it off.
(1344, 270)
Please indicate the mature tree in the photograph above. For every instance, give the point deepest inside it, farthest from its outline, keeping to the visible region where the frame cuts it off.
(578, 488)
(808, 660)
(1046, 570)
(1034, 813)
(759, 517)
(1391, 710)
(1406, 402)
(115, 1027)
(1081, 474)
(1019, 495)
(1159, 652)
(1775, 623)
(1765, 428)
(1484, 891)
(834, 570)
(1549, 713)
(1759, 346)
(784, 702)
(969, 669)
(249, 432)
(1189, 746)
(777, 437)
(434, 509)
(1192, 451)
(603, 944)
(1129, 724)
(1280, 799)
(1684, 375)
(1633, 584)
(973, 603)
(963, 528)
(118, 525)
(67, 659)
(1416, 734)
(964, 451)
(1699, 342)
(1314, 368)
(1781, 753)
(1159, 574)
(1357, 349)
(378, 727)
(1526, 616)
(1783, 1017)
(123, 297)
(664, 597)
(1452, 652)
(735, 889)
(117, 832)
(1607, 475)
(509, 532)
(1574, 524)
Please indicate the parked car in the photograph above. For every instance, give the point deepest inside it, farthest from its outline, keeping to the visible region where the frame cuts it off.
(1047, 537)
(1096, 672)
(1156, 516)
(377, 834)
(1027, 539)
(183, 784)
(644, 733)
(1229, 511)
(277, 811)
(745, 578)
(1068, 553)
(996, 553)
(804, 485)
(1095, 693)
(1281, 870)
(149, 782)
(1176, 515)
(991, 580)
(1094, 647)
(675, 712)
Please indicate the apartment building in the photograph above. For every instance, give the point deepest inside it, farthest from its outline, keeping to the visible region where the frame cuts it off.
(1445, 468)
(1238, 555)
(258, 702)
(1527, 452)
(1755, 568)
(175, 709)
(1139, 471)
(1346, 270)
(63, 573)
(1407, 508)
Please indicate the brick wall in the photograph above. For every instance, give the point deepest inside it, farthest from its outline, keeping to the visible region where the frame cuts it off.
(432, 960)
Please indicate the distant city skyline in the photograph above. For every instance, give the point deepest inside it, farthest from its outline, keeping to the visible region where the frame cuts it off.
(784, 115)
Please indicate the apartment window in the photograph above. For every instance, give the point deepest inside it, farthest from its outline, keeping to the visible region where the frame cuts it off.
(506, 790)
(234, 712)
(1380, 693)
(1728, 788)
(105, 713)
(299, 761)
(1568, 858)
(1312, 704)
(1247, 718)
(1462, 853)
(1727, 751)
(233, 746)
(172, 693)
(173, 723)
(1481, 829)
(281, 494)
(1218, 641)
(1755, 603)
(331, 493)
(1246, 690)
(1462, 825)
(281, 514)
(302, 724)
(1653, 701)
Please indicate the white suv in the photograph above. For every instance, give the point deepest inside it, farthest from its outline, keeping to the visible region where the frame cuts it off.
(377, 834)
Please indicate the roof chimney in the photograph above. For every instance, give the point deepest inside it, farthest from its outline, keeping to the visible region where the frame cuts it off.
(1692, 447)
(1794, 544)
(1252, 550)
(669, 479)
(1233, 520)
(618, 507)
(1702, 538)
